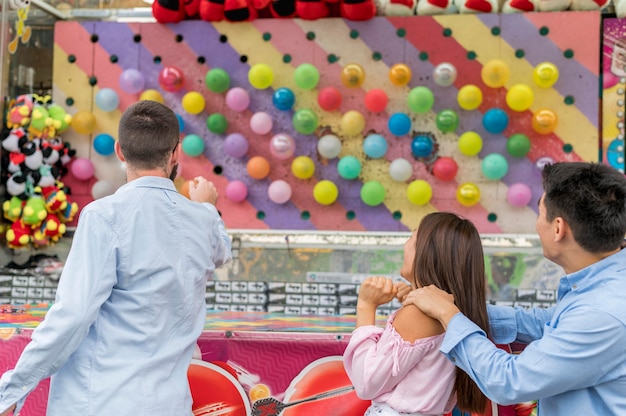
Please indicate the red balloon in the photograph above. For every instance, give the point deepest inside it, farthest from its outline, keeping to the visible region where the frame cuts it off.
(171, 79)
(376, 100)
(445, 169)
(329, 98)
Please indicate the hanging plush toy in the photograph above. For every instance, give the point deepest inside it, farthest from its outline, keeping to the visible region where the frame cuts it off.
(435, 7)
(312, 9)
(239, 10)
(212, 10)
(519, 6)
(357, 9)
(283, 8)
(19, 111)
(174, 11)
(395, 7)
(477, 6)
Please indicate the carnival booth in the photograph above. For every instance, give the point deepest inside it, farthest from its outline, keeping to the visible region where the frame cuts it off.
(330, 130)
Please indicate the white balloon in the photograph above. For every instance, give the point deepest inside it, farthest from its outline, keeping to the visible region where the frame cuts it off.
(329, 146)
(101, 189)
(400, 170)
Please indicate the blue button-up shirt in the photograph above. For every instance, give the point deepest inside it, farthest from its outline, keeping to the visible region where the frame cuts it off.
(129, 308)
(575, 362)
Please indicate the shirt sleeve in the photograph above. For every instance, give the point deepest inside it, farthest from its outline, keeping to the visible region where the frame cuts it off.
(222, 253)
(509, 324)
(376, 360)
(575, 354)
(87, 280)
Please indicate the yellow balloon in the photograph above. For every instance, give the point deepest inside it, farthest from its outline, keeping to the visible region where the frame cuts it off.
(400, 75)
(303, 167)
(193, 102)
(261, 76)
(544, 121)
(419, 192)
(546, 74)
(468, 194)
(352, 75)
(495, 73)
(520, 97)
(469, 97)
(352, 123)
(151, 95)
(470, 143)
(84, 122)
(325, 192)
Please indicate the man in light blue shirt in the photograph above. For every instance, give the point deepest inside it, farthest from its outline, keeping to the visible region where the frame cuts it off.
(131, 300)
(575, 361)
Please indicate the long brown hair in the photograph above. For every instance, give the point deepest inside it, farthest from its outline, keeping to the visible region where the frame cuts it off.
(449, 255)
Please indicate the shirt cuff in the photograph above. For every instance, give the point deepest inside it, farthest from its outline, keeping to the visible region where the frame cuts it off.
(458, 329)
(502, 324)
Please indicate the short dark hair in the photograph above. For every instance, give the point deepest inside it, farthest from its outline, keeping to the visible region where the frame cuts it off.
(148, 133)
(591, 198)
(449, 254)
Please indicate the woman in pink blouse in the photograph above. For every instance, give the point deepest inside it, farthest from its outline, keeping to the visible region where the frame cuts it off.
(400, 367)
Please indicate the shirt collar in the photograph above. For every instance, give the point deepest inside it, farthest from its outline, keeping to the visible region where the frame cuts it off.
(581, 278)
(148, 182)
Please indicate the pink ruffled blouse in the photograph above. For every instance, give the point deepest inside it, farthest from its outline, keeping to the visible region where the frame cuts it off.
(409, 377)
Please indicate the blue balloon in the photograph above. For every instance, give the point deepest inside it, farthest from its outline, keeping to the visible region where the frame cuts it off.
(495, 120)
(107, 99)
(181, 123)
(375, 146)
(399, 124)
(283, 99)
(104, 144)
(422, 146)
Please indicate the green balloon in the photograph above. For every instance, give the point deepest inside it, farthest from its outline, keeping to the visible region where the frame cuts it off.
(421, 100)
(193, 145)
(518, 145)
(305, 121)
(447, 121)
(216, 123)
(349, 167)
(373, 193)
(306, 76)
(217, 80)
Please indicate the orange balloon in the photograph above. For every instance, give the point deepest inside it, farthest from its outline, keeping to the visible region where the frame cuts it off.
(544, 121)
(400, 75)
(352, 75)
(184, 189)
(258, 167)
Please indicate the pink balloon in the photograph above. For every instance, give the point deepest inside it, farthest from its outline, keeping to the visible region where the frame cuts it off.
(519, 194)
(261, 123)
(82, 169)
(279, 192)
(235, 145)
(236, 191)
(237, 99)
(282, 146)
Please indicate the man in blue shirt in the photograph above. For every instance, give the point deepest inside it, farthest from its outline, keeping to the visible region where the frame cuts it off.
(575, 362)
(130, 303)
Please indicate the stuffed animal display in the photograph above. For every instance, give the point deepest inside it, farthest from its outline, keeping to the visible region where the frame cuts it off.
(173, 11)
(37, 204)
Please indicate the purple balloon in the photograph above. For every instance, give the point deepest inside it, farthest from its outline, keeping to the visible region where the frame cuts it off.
(235, 145)
(132, 81)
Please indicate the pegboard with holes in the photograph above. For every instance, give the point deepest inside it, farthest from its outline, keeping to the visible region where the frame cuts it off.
(487, 100)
